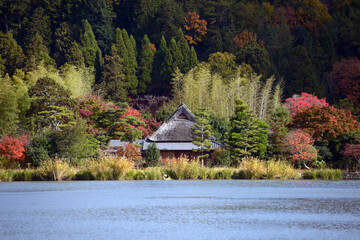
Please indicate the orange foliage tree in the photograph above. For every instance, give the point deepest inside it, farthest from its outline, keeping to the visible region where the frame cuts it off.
(131, 152)
(13, 149)
(300, 147)
(346, 74)
(195, 28)
(325, 123)
(242, 39)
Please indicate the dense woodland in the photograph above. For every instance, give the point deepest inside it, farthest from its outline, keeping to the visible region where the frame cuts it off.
(276, 78)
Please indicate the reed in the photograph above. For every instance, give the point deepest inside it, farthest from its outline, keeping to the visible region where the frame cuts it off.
(253, 168)
(56, 170)
(324, 174)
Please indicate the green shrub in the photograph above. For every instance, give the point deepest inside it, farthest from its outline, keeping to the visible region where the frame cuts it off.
(24, 175)
(156, 173)
(6, 175)
(84, 174)
(152, 155)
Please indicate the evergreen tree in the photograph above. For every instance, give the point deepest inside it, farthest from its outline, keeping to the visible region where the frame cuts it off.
(75, 55)
(172, 61)
(248, 134)
(8, 107)
(40, 23)
(202, 133)
(302, 75)
(88, 45)
(193, 61)
(185, 51)
(157, 85)
(113, 78)
(131, 64)
(64, 44)
(152, 155)
(37, 52)
(11, 53)
(146, 64)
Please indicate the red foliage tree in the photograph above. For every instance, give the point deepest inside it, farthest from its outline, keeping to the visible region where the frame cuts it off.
(242, 39)
(151, 126)
(325, 123)
(299, 103)
(300, 146)
(131, 152)
(352, 150)
(13, 149)
(346, 75)
(195, 27)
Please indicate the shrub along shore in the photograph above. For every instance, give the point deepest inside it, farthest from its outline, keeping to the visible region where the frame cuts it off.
(120, 168)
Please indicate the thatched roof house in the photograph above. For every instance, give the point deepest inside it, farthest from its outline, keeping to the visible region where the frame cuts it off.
(173, 138)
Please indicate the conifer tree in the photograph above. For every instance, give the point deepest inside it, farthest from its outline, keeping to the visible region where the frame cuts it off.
(88, 45)
(202, 133)
(152, 155)
(157, 85)
(248, 134)
(11, 53)
(193, 61)
(113, 77)
(185, 51)
(146, 64)
(75, 55)
(8, 106)
(37, 52)
(172, 60)
(130, 66)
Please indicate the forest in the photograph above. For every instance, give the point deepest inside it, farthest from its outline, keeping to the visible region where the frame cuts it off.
(277, 79)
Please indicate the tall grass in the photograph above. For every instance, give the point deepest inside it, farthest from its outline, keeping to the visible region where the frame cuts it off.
(108, 168)
(56, 170)
(326, 174)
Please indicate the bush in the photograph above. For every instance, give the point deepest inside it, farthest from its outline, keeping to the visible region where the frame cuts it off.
(152, 155)
(221, 157)
(156, 173)
(276, 169)
(37, 151)
(183, 168)
(24, 175)
(13, 150)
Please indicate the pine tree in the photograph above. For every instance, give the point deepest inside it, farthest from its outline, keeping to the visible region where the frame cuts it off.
(146, 64)
(113, 77)
(202, 133)
(248, 134)
(193, 61)
(40, 23)
(75, 55)
(88, 45)
(63, 36)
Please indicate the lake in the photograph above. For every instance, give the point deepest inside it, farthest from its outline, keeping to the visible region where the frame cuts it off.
(180, 210)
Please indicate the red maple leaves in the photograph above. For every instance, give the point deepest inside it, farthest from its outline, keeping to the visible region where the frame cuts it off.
(13, 149)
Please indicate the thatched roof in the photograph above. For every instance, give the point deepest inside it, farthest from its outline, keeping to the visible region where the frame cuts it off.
(177, 128)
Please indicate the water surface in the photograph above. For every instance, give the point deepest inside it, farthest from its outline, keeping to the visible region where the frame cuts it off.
(180, 210)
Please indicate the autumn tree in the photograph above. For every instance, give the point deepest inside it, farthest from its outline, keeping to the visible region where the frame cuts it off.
(244, 38)
(325, 123)
(13, 149)
(131, 152)
(300, 147)
(298, 103)
(353, 151)
(346, 75)
(195, 27)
